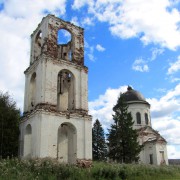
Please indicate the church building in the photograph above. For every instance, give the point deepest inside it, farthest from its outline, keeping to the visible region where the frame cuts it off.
(56, 122)
(154, 145)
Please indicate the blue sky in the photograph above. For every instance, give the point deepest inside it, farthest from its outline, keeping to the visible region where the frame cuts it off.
(128, 42)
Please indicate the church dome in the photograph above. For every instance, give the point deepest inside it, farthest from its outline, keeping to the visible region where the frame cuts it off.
(133, 95)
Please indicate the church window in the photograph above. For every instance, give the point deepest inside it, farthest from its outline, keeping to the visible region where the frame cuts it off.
(138, 118)
(32, 95)
(151, 158)
(64, 42)
(146, 119)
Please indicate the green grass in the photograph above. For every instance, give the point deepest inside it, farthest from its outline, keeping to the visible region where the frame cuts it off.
(49, 169)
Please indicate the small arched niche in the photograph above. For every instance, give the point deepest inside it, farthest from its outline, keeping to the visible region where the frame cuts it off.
(28, 142)
(38, 44)
(32, 93)
(65, 91)
(64, 42)
(67, 143)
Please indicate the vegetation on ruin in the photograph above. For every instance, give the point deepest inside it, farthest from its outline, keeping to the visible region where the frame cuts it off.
(49, 169)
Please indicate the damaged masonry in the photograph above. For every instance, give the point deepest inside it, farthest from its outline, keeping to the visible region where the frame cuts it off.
(56, 122)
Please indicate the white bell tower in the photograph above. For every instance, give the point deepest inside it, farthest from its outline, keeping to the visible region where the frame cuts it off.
(56, 123)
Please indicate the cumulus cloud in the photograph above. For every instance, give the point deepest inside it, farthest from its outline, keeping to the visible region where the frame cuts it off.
(156, 52)
(101, 108)
(152, 21)
(87, 21)
(100, 48)
(75, 21)
(167, 104)
(79, 3)
(174, 67)
(18, 20)
(163, 112)
(140, 65)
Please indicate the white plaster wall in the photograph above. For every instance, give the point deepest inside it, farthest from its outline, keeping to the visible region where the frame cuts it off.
(45, 133)
(46, 83)
(161, 147)
(50, 81)
(35, 121)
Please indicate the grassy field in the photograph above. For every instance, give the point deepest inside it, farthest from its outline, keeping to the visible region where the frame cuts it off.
(48, 169)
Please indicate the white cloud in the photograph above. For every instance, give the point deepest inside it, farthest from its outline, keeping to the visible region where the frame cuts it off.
(156, 52)
(75, 21)
(167, 104)
(90, 53)
(174, 67)
(87, 21)
(152, 21)
(173, 152)
(101, 108)
(79, 3)
(100, 48)
(18, 20)
(140, 65)
(174, 79)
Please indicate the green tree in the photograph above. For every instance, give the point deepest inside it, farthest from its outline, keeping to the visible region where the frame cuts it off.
(123, 144)
(9, 130)
(98, 142)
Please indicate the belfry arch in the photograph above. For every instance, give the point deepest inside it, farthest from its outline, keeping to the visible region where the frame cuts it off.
(67, 143)
(38, 44)
(65, 44)
(65, 91)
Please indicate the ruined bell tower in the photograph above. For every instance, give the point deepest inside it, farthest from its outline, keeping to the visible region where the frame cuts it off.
(56, 123)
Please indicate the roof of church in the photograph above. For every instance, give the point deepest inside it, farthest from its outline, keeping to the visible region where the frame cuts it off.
(133, 95)
(150, 135)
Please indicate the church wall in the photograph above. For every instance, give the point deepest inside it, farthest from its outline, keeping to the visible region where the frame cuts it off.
(45, 134)
(161, 147)
(142, 109)
(149, 149)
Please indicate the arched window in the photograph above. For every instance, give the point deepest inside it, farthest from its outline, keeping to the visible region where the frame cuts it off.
(146, 119)
(38, 44)
(32, 94)
(38, 39)
(65, 91)
(64, 42)
(138, 118)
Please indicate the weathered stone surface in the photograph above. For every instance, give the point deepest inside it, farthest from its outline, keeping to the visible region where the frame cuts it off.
(56, 123)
